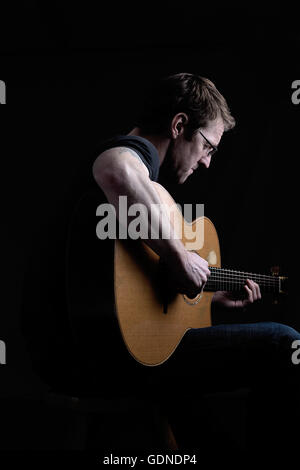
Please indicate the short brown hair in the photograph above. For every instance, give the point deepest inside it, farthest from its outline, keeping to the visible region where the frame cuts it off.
(196, 96)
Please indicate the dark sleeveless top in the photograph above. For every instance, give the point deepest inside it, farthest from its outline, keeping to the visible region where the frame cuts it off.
(90, 279)
(145, 149)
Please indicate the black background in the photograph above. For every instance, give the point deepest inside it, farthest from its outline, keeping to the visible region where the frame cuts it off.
(73, 73)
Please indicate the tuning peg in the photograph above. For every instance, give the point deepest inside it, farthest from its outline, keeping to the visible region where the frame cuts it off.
(275, 270)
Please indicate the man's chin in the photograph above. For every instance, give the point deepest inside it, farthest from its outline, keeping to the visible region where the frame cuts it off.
(175, 177)
(182, 178)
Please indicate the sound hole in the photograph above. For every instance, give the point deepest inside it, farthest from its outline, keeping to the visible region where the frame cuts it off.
(192, 301)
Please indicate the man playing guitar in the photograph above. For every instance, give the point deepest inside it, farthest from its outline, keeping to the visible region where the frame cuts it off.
(180, 126)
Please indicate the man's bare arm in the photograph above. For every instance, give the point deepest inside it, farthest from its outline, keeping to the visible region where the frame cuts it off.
(120, 171)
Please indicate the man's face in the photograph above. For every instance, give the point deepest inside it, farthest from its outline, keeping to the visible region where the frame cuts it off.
(187, 156)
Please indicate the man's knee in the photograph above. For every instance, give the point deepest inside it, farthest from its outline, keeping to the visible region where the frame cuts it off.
(284, 340)
(284, 334)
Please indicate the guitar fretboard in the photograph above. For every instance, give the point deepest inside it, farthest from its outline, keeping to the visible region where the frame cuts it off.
(230, 280)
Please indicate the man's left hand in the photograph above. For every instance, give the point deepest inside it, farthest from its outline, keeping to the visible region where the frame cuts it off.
(229, 300)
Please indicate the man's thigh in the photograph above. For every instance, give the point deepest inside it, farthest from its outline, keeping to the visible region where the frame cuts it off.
(238, 354)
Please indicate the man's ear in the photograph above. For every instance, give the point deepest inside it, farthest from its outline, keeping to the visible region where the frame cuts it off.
(178, 123)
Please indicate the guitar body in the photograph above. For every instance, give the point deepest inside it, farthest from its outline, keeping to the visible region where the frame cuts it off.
(119, 297)
(151, 318)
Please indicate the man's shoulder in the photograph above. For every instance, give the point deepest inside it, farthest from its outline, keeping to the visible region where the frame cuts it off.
(135, 146)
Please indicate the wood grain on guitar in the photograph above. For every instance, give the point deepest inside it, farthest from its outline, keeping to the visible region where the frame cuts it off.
(152, 318)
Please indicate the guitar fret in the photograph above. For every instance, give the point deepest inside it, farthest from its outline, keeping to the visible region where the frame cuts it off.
(228, 279)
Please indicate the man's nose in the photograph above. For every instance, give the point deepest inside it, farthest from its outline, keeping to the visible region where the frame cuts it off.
(206, 161)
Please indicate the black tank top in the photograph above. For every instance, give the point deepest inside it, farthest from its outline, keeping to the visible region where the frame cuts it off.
(90, 276)
(145, 149)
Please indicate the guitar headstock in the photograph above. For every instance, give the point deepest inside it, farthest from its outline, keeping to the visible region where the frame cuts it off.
(283, 286)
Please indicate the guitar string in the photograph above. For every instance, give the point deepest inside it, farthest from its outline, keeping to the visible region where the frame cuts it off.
(222, 273)
(241, 278)
(232, 271)
(244, 277)
(236, 276)
(240, 282)
(236, 279)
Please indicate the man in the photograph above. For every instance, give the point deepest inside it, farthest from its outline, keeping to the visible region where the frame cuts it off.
(180, 126)
(187, 137)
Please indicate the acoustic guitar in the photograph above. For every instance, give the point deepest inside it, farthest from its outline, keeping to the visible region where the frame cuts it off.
(134, 292)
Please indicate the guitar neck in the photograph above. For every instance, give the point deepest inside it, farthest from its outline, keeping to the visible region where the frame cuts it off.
(230, 280)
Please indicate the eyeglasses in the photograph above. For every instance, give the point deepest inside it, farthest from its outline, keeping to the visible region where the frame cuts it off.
(213, 148)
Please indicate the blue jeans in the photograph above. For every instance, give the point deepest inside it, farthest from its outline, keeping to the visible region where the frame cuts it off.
(246, 349)
(255, 356)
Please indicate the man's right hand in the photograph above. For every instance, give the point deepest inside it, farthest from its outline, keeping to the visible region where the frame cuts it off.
(188, 273)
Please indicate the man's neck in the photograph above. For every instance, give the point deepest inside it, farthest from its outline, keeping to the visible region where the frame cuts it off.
(161, 143)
